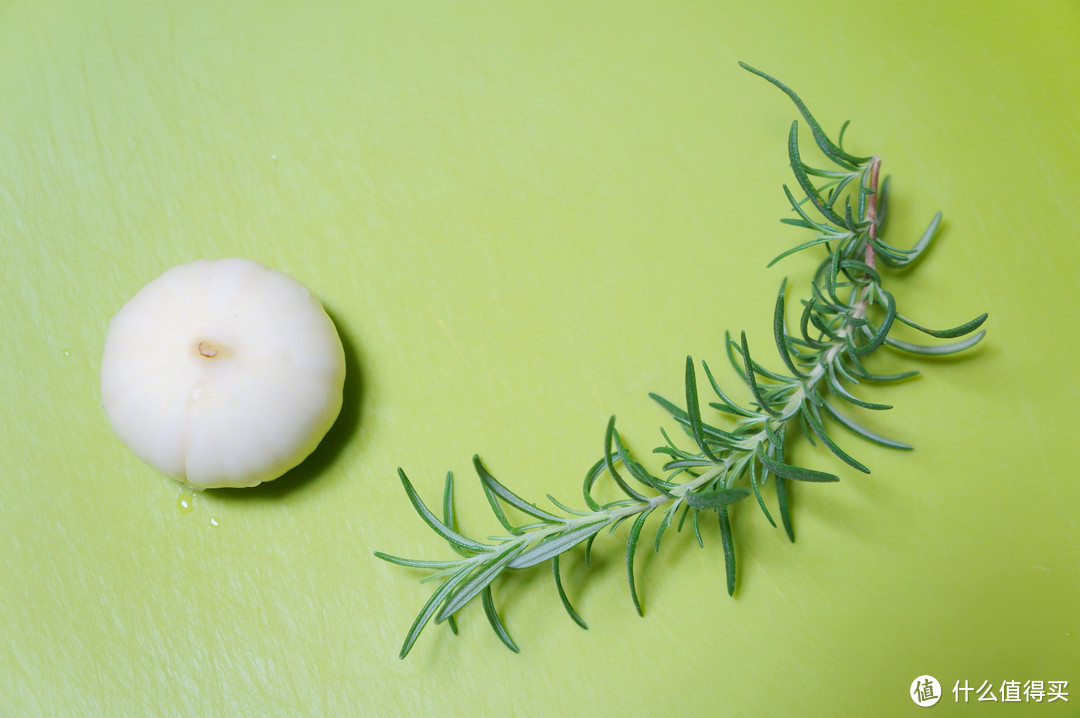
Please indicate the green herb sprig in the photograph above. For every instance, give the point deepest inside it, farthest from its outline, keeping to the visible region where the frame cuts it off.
(848, 316)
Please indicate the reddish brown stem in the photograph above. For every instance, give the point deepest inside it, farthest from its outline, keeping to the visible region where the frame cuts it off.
(871, 209)
(859, 308)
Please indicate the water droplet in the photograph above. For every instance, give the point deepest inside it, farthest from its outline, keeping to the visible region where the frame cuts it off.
(67, 352)
(273, 156)
(186, 500)
(214, 522)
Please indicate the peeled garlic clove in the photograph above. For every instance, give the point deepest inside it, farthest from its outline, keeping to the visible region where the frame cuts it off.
(222, 373)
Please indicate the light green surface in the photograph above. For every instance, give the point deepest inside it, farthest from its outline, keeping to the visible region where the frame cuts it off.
(522, 218)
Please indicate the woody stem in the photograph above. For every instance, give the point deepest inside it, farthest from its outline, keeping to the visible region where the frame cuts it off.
(871, 209)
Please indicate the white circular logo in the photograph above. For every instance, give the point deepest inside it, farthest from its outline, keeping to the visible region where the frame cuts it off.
(925, 691)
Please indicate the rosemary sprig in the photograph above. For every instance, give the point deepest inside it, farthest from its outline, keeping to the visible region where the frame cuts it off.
(847, 317)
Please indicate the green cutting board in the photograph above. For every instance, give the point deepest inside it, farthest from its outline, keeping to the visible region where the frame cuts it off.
(523, 217)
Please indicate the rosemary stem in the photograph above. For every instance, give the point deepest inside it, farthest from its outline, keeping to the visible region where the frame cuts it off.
(871, 209)
(844, 337)
(615, 513)
(870, 255)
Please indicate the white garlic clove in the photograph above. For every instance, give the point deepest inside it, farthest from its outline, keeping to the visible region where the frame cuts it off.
(222, 373)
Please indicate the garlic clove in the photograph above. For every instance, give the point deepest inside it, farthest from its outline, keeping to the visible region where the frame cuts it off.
(222, 373)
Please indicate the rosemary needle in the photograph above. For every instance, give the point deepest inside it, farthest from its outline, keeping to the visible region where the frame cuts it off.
(847, 317)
